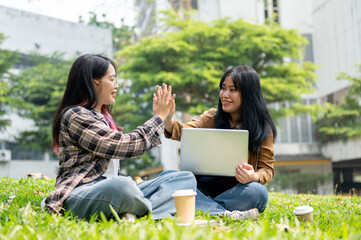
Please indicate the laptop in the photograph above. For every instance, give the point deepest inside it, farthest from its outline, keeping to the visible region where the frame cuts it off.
(215, 152)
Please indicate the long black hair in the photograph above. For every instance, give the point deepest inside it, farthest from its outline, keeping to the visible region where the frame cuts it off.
(253, 111)
(80, 89)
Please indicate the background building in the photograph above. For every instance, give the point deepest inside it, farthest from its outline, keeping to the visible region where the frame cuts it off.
(337, 48)
(28, 32)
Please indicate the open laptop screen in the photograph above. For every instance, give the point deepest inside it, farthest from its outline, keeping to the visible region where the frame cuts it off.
(214, 152)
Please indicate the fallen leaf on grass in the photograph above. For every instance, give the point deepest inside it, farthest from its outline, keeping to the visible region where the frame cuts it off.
(38, 176)
(3, 205)
(224, 228)
(284, 227)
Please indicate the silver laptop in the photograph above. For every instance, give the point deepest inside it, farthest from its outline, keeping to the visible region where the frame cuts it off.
(216, 152)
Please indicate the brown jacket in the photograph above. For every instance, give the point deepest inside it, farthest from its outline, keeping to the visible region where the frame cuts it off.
(266, 160)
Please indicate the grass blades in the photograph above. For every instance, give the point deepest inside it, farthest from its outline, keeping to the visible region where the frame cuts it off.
(335, 217)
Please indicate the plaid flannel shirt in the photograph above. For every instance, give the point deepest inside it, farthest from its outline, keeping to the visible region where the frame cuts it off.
(86, 145)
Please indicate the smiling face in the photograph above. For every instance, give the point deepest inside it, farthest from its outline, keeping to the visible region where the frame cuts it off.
(107, 88)
(231, 99)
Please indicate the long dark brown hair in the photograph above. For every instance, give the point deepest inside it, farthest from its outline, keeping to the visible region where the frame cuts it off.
(80, 89)
(254, 114)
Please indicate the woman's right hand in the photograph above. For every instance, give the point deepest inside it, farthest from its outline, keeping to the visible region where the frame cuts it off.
(169, 121)
(163, 102)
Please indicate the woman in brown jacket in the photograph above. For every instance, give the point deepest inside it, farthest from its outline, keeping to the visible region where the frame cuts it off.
(241, 106)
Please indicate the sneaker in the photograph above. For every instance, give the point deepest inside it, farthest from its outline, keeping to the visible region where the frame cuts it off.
(129, 217)
(241, 215)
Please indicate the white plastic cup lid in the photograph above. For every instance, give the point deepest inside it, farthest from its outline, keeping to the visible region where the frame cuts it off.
(184, 192)
(301, 210)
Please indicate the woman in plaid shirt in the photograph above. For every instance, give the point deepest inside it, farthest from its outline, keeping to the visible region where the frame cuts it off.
(90, 145)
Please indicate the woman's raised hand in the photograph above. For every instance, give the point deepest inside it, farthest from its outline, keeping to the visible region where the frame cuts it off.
(163, 102)
(169, 121)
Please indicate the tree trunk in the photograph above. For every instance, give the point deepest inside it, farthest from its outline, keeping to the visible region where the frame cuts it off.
(186, 117)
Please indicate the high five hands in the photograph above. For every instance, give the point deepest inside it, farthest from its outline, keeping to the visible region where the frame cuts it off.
(245, 173)
(164, 102)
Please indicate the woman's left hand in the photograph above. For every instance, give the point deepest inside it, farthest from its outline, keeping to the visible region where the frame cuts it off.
(245, 173)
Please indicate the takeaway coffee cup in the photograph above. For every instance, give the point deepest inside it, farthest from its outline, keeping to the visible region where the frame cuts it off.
(185, 202)
(304, 213)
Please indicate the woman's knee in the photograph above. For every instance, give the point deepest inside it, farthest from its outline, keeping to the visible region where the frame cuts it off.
(187, 175)
(259, 190)
(185, 178)
(258, 194)
(126, 196)
(167, 172)
(120, 186)
(188, 179)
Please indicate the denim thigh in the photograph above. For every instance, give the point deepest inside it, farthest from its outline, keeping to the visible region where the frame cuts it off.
(159, 191)
(120, 192)
(243, 197)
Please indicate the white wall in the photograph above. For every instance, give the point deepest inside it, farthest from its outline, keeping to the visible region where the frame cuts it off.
(208, 10)
(337, 41)
(296, 148)
(25, 29)
(342, 150)
(249, 10)
(296, 14)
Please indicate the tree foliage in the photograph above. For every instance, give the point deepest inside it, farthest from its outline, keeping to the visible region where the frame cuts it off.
(37, 91)
(195, 55)
(7, 61)
(342, 121)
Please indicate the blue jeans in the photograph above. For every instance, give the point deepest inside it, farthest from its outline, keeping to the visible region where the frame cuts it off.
(240, 197)
(159, 191)
(124, 195)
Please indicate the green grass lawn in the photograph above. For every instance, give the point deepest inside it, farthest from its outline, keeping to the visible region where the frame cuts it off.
(335, 217)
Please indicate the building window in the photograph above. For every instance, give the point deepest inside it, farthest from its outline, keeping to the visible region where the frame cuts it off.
(21, 153)
(265, 9)
(275, 10)
(296, 129)
(308, 48)
(271, 10)
(177, 4)
(194, 4)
